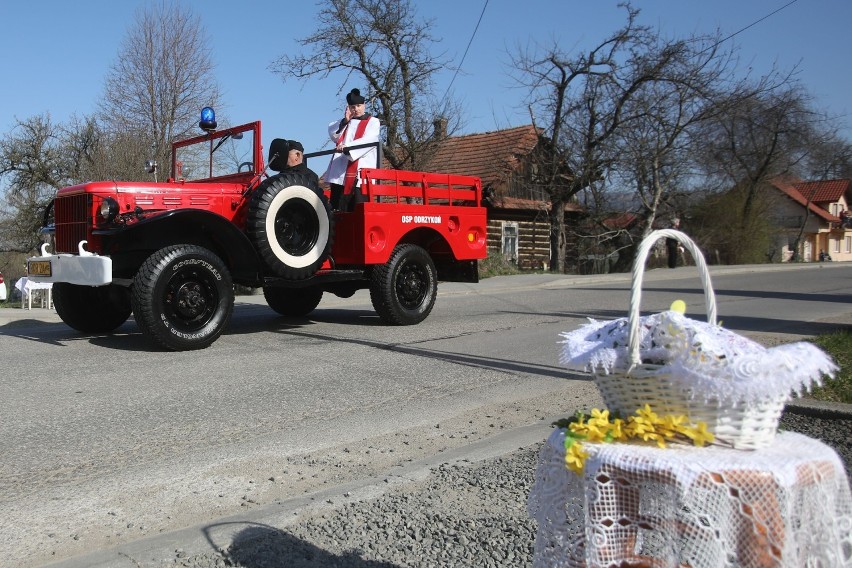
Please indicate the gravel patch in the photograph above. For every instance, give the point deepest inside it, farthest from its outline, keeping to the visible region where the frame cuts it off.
(465, 514)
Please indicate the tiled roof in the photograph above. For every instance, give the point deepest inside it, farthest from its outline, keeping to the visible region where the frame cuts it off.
(491, 156)
(789, 187)
(829, 191)
(620, 221)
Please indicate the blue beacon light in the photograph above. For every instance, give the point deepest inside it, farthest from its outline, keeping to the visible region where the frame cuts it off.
(208, 119)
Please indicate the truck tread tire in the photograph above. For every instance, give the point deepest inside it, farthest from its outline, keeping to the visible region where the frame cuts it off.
(403, 290)
(296, 302)
(91, 309)
(183, 297)
(290, 224)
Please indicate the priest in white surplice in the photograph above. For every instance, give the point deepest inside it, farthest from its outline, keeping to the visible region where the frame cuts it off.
(357, 127)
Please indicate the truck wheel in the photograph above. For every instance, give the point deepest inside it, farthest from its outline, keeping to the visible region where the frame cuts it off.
(403, 290)
(92, 309)
(289, 223)
(292, 301)
(183, 297)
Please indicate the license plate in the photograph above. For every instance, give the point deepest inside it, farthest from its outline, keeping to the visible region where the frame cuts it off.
(39, 268)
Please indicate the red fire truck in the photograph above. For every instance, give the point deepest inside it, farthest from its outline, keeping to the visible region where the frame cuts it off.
(171, 252)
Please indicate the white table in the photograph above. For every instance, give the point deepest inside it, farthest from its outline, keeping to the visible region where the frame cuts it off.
(28, 289)
(787, 505)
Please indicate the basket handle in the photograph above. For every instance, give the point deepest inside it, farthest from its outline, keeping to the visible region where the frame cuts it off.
(636, 289)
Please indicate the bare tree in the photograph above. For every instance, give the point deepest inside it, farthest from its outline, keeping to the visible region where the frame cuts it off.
(657, 150)
(760, 137)
(33, 155)
(829, 155)
(161, 79)
(385, 44)
(34, 164)
(583, 101)
(776, 131)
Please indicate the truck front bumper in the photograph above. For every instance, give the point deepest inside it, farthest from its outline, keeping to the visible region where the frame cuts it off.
(85, 269)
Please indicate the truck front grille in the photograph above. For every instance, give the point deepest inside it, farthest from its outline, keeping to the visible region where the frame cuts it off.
(73, 217)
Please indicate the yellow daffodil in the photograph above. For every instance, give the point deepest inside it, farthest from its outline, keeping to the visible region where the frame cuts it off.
(597, 434)
(674, 421)
(699, 434)
(645, 425)
(670, 425)
(578, 428)
(653, 437)
(600, 415)
(616, 431)
(648, 414)
(638, 426)
(575, 458)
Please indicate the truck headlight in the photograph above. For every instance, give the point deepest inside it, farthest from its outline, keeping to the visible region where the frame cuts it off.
(108, 210)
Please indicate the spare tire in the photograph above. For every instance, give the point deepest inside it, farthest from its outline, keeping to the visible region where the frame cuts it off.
(290, 224)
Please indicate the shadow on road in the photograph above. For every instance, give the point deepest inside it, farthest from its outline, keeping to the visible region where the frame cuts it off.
(479, 361)
(128, 337)
(264, 546)
(735, 323)
(260, 319)
(732, 321)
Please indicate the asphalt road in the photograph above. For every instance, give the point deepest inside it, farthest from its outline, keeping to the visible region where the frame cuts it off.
(107, 440)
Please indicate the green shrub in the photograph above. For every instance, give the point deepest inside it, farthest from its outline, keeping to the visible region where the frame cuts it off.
(496, 265)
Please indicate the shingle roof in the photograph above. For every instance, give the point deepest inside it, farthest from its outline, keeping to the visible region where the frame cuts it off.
(505, 202)
(790, 186)
(491, 156)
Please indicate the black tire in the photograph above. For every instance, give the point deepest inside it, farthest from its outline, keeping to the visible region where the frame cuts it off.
(92, 309)
(296, 302)
(183, 297)
(403, 290)
(290, 224)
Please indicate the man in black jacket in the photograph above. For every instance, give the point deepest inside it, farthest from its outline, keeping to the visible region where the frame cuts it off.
(287, 156)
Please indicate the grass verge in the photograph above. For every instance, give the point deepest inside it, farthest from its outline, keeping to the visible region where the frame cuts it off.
(839, 345)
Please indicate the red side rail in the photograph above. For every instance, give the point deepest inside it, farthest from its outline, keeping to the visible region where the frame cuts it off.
(400, 186)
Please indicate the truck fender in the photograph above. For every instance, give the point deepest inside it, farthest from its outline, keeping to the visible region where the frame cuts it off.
(187, 226)
(449, 268)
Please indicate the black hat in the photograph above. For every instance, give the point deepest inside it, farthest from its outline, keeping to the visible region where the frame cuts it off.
(354, 97)
(296, 145)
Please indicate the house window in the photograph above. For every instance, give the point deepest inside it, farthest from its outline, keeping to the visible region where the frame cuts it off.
(835, 209)
(836, 244)
(510, 241)
(848, 244)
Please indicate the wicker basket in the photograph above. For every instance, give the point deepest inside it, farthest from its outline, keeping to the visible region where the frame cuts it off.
(744, 425)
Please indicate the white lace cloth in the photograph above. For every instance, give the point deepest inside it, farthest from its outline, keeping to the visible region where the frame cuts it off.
(787, 505)
(707, 361)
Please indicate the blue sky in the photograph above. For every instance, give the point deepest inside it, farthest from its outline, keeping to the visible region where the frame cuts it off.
(54, 54)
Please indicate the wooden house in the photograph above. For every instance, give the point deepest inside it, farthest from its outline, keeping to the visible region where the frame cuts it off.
(518, 217)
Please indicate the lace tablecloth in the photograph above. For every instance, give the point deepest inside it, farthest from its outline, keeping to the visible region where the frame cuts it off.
(787, 505)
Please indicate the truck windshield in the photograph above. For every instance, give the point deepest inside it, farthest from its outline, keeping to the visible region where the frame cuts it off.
(221, 154)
